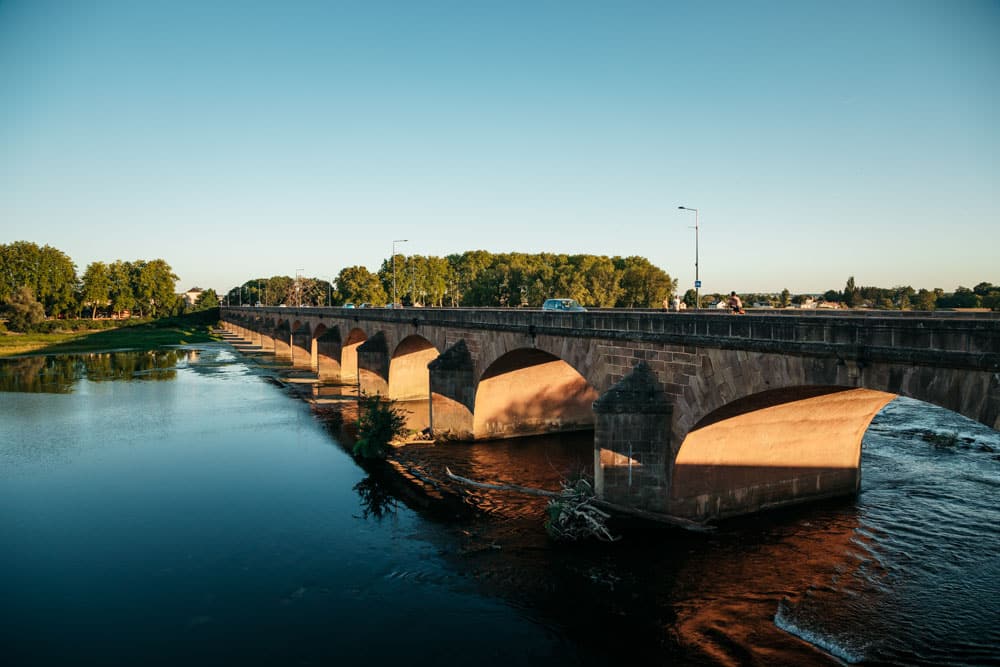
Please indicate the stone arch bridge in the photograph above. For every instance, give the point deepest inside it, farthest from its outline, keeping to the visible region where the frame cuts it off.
(696, 414)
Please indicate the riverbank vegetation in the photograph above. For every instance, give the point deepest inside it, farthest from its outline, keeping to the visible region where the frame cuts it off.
(115, 290)
(379, 423)
(73, 336)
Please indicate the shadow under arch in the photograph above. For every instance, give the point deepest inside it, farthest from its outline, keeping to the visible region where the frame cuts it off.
(409, 377)
(325, 352)
(283, 340)
(528, 391)
(773, 448)
(266, 331)
(349, 354)
(301, 344)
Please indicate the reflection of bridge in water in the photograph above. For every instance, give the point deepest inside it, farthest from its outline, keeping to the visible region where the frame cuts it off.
(696, 414)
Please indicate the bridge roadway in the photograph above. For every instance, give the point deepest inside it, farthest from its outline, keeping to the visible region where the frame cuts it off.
(699, 414)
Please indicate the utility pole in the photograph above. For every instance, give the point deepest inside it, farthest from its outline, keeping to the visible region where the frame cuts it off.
(697, 281)
(394, 268)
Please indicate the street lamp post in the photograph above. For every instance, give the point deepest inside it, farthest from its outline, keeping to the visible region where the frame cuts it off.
(298, 287)
(697, 281)
(394, 268)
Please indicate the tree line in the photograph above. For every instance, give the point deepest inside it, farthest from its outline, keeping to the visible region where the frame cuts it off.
(901, 297)
(42, 281)
(475, 278)
(983, 295)
(478, 278)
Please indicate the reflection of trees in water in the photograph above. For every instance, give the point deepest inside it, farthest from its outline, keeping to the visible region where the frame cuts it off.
(58, 374)
(150, 365)
(38, 375)
(377, 499)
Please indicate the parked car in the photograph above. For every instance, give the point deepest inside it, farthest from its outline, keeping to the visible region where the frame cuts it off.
(564, 305)
(348, 305)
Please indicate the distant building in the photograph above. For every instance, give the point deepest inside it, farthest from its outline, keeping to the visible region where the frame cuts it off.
(191, 296)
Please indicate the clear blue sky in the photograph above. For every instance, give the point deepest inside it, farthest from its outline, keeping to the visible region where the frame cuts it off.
(237, 139)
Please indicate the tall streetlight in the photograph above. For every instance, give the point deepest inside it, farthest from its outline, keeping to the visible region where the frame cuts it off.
(298, 287)
(394, 268)
(697, 282)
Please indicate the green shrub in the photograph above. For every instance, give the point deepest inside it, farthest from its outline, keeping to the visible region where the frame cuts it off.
(23, 312)
(379, 422)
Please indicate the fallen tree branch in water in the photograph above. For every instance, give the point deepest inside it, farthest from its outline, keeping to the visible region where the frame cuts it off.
(571, 512)
(680, 522)
(501, 487)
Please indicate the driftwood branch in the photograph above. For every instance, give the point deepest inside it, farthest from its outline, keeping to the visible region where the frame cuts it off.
(502, 487)
(680, 522)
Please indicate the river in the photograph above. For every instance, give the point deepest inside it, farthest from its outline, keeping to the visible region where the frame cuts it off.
(180, 507)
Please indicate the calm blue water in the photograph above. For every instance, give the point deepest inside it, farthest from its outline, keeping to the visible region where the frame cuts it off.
(176, 508)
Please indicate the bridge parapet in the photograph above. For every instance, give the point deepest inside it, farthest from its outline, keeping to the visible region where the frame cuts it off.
(959, 340)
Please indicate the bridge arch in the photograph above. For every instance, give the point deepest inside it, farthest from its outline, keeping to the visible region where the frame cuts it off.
(528, 391)
(774, 447)
(301, 344)
(408, 375)
(725, 377)
(266, 329)
(326, 350)
(283, 340)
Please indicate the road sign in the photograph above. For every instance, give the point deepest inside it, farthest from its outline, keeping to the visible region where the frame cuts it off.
(697, 283)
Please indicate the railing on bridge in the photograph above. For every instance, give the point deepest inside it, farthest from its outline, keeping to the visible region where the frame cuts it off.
(955, 339)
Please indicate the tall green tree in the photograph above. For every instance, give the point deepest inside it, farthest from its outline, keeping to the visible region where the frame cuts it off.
(962, 297)
(643, 284)
(120, 291)
(206, 300)
(48, 271)
(850, 293)
(925, 300)
(356, 284)
(600, 279)
(154, 285)
(96, 287)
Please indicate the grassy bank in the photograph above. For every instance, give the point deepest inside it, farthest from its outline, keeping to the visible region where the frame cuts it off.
(194, 328)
